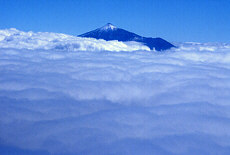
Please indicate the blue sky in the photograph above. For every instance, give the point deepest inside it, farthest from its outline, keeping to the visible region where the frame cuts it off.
(174, 20)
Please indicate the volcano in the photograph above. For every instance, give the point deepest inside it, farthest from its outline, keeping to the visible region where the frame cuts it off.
(111, 32)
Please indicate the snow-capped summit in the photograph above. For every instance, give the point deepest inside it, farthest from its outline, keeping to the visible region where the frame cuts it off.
(108, 26)
(111, 32)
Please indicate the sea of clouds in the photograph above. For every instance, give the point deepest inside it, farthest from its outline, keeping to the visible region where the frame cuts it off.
(13, 38)
(98, 101)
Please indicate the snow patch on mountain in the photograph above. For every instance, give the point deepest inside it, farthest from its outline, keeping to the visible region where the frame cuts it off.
(109, 26)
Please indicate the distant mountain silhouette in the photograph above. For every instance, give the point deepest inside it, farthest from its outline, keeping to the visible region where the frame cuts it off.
(111, 32)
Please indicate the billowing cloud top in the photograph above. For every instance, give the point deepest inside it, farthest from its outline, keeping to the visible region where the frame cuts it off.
(13, 38)
(194, 46)
(84, 102)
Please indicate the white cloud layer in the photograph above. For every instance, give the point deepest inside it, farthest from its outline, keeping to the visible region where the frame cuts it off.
(13, 38)
(84, 102)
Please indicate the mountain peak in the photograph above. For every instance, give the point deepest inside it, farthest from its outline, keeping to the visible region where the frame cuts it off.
(109, 26)
(111, 32)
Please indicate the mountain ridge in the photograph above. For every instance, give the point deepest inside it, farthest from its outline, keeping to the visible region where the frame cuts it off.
(111, 32)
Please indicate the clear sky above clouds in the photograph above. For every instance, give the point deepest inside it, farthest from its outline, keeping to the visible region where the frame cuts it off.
(174, 20)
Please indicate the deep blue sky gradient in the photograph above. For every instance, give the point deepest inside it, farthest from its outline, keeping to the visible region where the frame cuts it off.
(173, 20)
